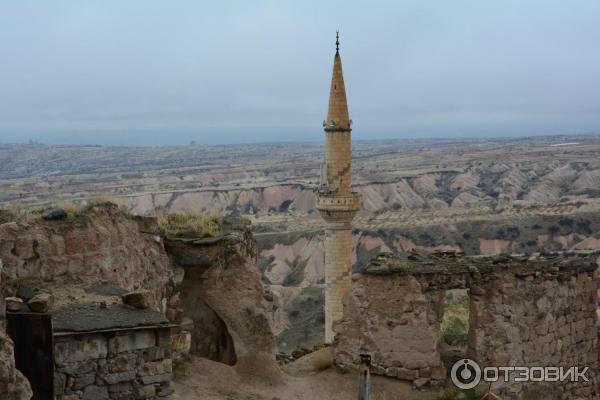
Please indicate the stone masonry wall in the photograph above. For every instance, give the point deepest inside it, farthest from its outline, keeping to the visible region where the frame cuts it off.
(523, 312)
(128, 365)
(537, 318)
(338, 268)
(396, 319)
(102, 243)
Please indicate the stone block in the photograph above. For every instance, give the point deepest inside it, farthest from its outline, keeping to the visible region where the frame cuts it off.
(72, 351)
(420, 383)
(54, 214)
(131, 341)
(164, 337)
(145, 392)
(148, 380)
(83, 381)
(60, 380)
(122, 363)
(79, 368)
(95, 393)
(165, 390)
(407, 374)
(118, 377)
(41, 303)
(139, 299)
(153, 354)
(13, 304)
(155, 368)
(121, 387)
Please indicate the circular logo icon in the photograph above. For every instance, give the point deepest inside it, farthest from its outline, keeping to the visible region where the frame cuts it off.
(465, 374)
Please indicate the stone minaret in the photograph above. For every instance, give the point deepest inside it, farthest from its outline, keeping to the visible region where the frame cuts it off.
(336, 202)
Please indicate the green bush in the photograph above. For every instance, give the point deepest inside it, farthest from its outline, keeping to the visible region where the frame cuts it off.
(455, 324)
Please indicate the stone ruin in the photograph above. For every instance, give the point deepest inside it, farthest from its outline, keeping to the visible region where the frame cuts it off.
(94, 350)
(114, 305)
(535, 310)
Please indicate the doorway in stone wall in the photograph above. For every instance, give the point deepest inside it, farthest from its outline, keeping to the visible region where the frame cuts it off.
(455, 327)
(34, 350)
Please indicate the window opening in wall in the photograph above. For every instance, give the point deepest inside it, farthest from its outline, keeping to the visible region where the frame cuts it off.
(455, 327)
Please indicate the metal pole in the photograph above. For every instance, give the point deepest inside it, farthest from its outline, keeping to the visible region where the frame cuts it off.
(364, 377)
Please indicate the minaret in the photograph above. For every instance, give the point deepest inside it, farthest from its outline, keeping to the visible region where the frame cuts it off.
(336, 202)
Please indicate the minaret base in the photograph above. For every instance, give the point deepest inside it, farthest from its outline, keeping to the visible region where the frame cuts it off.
(338, 271)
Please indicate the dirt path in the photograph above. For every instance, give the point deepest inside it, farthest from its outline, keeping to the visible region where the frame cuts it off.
(202, 379)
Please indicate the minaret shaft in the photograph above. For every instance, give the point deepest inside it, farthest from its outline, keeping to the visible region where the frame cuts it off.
(336, 202)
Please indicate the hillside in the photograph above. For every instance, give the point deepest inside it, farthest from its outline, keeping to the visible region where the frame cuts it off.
(475, 196)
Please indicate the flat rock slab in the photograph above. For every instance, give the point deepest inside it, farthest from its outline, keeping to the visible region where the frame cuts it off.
(92, 317)
(106, 289)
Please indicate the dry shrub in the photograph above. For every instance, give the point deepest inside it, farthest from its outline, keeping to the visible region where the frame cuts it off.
(322, 359)
(190, 225)
(18, 213)
(100, 199)
(69, 207)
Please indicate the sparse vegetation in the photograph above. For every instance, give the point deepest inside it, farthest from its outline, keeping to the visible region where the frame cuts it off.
(456, 394)
(70, 208)
(190, 225)
(18, 213)
(455, 324)
(296, 274)
(179, 370)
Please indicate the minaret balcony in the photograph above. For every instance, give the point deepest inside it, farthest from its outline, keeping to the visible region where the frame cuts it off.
(336, 207)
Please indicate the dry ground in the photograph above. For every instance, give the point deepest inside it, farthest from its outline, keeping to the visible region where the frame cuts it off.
(208, 380)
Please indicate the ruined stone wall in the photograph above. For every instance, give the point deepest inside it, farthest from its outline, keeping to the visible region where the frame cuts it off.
(537, 318)
(99, 244)
(129, 365)
(523, 312)
(396, 319)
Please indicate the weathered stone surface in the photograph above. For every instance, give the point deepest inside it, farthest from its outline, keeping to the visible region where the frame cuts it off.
(420, 383)
(13, 304)
(118, 377)
(145, 392)
(150, 379)
(165, 391)
(226, 291)
(13, 385)
(105, 243)
(401, 328)
(95, 371)
(524, 311)
(87, 317)
(82, 381)
(138, 299)
(73, 351)
(41, 302)
(122, 387)
(132, 341)
(95, 393)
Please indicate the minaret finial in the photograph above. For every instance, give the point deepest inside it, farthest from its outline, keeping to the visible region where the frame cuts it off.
(337, 41)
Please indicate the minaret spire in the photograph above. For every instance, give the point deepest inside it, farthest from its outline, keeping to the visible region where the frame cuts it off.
(337, 42)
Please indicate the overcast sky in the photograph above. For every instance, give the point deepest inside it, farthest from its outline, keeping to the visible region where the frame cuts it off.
(167, 72)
